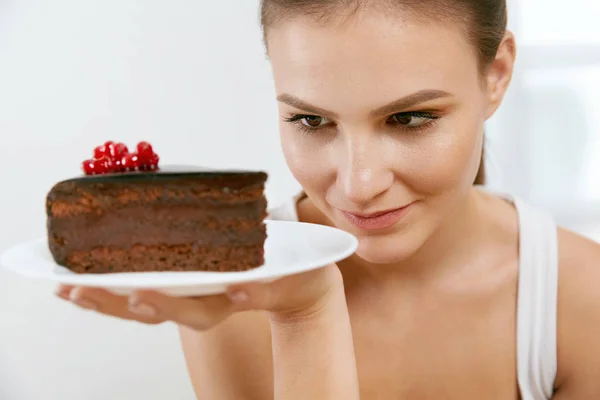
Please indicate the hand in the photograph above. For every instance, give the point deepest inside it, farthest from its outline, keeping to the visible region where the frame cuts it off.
(287, 298)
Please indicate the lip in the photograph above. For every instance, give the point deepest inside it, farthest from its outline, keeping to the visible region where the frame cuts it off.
(377, 220)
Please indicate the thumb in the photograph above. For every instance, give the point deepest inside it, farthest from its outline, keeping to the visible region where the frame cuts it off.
(252, 296)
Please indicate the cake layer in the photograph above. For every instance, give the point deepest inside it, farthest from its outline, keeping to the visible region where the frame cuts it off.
(186, 257)
(162, 224)
(92, 194)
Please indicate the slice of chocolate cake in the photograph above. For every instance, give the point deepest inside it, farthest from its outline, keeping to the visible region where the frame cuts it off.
(167, 219)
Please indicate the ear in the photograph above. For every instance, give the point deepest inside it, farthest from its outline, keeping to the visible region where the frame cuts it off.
(500, 72)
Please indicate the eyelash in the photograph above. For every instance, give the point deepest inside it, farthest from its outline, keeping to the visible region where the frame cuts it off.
(432, 119)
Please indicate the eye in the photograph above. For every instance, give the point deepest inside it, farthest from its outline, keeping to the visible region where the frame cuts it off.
(412, 119)
(313, 121)
(308, 122)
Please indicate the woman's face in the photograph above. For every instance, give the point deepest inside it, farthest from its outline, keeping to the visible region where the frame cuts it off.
(382, 123)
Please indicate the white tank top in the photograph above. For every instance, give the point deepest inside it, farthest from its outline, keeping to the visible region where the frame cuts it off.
(537, 296)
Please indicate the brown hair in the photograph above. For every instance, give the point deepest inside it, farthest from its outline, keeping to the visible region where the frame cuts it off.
(484, 21)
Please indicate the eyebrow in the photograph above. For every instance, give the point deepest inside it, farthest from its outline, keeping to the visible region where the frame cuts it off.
(393, 107)
(304, 106)
(410, 101)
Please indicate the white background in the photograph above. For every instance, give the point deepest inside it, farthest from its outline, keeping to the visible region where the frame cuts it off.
(191, 77)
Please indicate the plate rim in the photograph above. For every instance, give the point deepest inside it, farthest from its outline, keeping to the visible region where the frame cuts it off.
(189, 278)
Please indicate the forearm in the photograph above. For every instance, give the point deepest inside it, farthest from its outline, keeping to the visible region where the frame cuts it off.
(313, 355)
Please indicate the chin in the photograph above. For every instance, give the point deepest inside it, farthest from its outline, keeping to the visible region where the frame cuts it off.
(387, 249)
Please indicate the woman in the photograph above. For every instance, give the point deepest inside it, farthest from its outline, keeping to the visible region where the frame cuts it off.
(453, 293)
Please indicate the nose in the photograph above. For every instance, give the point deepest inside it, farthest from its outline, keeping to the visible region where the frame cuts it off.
(363, 174)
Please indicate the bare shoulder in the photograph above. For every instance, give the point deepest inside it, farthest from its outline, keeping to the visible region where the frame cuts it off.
(578, 316)
(232, 360)
(579, 270)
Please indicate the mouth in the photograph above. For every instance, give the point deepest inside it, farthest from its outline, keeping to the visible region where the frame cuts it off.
(377, 220)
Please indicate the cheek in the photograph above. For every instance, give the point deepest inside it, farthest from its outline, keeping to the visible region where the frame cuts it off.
(307, 158)
(448, 158)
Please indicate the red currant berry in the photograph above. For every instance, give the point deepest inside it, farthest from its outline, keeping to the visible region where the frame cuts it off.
(144, 150)
(117, 166)
(153, 163)
(103, 150)
(117, 150)
(130, 162)
(99, 152)
(103, 165)
(88, 167)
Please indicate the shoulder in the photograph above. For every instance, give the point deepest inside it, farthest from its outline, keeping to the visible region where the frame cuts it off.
(286, 211)
(579, 271)
(238, 350)
(578, 314)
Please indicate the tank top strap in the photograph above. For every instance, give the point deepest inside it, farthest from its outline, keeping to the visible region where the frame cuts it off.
(537, 302)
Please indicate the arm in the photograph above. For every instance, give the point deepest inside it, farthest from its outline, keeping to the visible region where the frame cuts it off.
(231, 361)
(310, 334)
(310, 350)
(313, 354)
(578, 319)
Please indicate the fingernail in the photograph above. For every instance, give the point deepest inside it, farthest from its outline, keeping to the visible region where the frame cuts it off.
(238, 296)
(144, 309)
(63, 293)
(82, 301)
(140, 308)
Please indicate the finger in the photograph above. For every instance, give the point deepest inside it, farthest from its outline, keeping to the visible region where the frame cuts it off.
(198, 313)
(63, 291)
(108, 303)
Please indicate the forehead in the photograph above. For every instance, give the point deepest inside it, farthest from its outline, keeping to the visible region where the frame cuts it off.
(371, 55)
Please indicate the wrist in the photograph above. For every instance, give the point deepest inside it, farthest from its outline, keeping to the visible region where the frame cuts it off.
(326, 307)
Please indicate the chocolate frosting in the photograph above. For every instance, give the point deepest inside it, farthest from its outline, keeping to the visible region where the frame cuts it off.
(170, 171)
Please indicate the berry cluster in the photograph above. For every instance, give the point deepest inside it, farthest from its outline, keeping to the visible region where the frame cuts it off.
(115, 157)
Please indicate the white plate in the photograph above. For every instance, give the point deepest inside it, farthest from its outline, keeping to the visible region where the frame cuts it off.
(291, 248)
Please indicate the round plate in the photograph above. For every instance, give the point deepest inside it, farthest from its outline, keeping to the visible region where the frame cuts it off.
(290, 248)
